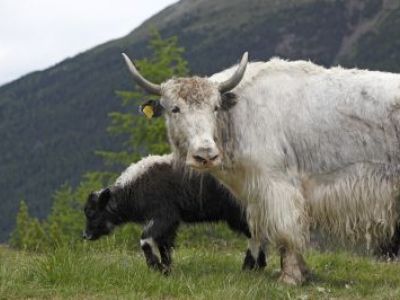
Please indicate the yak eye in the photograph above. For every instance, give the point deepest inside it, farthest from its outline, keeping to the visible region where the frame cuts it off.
(175, 109)
(216, 108)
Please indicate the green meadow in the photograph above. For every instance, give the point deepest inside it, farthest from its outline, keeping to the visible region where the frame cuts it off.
(211, 271)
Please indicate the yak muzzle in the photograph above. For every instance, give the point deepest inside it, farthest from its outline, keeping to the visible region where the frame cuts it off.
(204, 158)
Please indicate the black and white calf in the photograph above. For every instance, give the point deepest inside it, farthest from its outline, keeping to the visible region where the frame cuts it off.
(161, 196)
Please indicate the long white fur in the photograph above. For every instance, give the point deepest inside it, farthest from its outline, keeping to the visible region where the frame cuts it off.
(316, 147)
(254, 247)
(357, 205)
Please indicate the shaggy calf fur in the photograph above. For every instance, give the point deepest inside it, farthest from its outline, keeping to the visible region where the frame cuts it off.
(161, 196)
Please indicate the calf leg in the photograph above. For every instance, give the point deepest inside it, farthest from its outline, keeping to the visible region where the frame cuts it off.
(151, 253)
(157, 241)
(166, 258)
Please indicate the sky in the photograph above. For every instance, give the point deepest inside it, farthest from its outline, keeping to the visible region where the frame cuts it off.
(36, 34)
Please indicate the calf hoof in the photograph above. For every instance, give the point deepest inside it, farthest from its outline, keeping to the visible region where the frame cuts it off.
(155, 265)
(165, 270)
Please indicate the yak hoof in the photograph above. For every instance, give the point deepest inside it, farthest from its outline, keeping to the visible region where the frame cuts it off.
(294, 269)
(250, 263)
(292, 279)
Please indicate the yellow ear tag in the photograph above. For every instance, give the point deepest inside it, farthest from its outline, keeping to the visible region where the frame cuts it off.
(148, 111)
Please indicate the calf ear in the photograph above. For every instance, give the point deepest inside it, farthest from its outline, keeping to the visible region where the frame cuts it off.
(228, 100)
(151, 109)
(104, 197)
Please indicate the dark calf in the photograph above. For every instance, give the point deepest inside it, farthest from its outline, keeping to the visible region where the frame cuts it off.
(161, 196)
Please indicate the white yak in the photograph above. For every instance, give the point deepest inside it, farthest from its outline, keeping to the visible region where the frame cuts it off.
(299, 144)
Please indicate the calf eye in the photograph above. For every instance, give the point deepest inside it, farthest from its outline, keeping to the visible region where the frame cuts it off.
(175, 109)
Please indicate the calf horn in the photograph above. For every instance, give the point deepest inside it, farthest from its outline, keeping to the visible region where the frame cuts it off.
(150, 87)
(236, 77)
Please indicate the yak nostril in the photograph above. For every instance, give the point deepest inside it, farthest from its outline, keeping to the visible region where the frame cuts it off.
(199, 159)
(214, 157)
(204, 161)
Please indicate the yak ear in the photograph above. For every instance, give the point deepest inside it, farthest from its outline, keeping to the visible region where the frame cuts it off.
(151, 109)
(228, 100)
(104, 197)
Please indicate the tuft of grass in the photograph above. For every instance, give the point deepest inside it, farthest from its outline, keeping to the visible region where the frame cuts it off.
(198, 273)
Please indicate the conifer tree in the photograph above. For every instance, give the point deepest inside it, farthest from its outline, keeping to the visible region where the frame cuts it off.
(145, 136)
(64, 225)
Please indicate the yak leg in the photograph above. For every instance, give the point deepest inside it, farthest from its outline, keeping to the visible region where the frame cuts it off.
(294, 269)
(390, 249)
(287, 224)
(262, 255)
(255, 258)
(250, 260)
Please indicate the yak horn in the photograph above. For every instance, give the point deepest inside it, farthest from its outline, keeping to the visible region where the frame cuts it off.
(232, 82)
(150, 87)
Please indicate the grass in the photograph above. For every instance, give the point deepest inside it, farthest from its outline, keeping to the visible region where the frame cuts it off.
(198, 273)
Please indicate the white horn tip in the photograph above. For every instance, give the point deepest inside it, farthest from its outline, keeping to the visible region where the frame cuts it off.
(128, 61)
(125, 56)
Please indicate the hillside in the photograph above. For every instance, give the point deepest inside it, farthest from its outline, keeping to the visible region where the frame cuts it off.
(52, 121)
